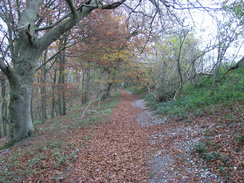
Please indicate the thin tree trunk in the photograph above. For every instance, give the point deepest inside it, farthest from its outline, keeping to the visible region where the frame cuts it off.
(53, 93)
(3, 130)
(61, 81)
(109, 84)
(43, 91)
(108, 90)
(178, 91)
(85, 86)
(182, 40)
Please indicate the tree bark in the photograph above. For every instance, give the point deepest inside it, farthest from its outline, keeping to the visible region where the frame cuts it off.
(20, 106)
(43, 91)
(61, 80)
(3, 131)
(85, 86)
(111, 77)
(108, 90)
(178, 60)
(53, 93)
(20, 80)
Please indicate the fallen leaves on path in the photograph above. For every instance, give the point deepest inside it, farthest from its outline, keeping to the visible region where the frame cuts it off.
(108, 151)
(118, 151)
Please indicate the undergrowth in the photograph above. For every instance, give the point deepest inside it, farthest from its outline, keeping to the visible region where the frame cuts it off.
(136, 90)
(196, 98)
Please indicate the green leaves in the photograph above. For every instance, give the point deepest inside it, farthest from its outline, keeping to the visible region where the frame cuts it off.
(237, 8)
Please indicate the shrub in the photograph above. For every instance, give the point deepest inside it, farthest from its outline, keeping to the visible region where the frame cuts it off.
(200, 147)
(211, 156)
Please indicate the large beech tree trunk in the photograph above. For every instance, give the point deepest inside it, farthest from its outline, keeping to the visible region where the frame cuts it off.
(20, 109)
(20, 80)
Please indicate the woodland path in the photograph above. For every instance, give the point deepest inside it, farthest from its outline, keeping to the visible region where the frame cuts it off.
(136, 146)
(117, 152)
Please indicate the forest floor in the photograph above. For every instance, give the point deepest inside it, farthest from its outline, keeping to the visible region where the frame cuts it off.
(131, 145)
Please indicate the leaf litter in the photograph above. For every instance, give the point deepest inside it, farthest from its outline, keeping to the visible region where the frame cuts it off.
(173, 155)
(134, 146)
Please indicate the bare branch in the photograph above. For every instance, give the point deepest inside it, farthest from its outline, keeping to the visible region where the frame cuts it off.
(150, 32)
(178, 5)
(72, 8)
(54, 24)
(62, 27)
(113, 5)
(29, 15)
(50, 59)
(3, 66)
(54, 56)
(133, 10)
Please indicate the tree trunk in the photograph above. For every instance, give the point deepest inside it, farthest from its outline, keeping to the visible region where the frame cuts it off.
(4, 112)
(53, 93)
(111, 78)
(61, 81)
(107, 92)
(20, 107)
(178, 60)
(43, 111)
(85, 86)
(20, 81)
(43, 96)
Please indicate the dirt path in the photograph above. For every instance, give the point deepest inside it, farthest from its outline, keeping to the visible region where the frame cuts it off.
(136, 146)
(171, 145)
(117, 152)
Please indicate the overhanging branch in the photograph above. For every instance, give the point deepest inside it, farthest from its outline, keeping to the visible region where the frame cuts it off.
(60, 28)
(55, 23)
(54, 56)
(113, 5)
(72, 8)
